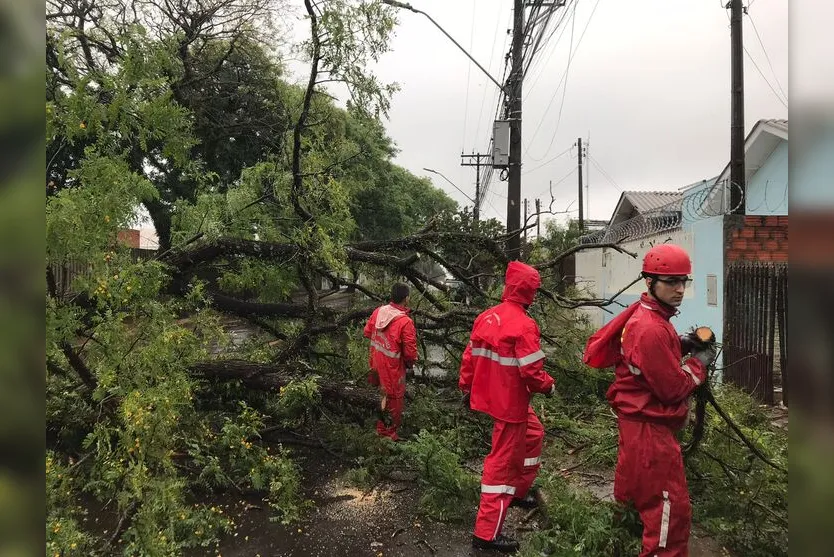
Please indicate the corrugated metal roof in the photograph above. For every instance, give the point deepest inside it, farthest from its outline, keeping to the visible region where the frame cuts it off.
(779, 123)
(645, 201)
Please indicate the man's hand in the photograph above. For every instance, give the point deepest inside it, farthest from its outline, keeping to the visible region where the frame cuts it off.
(551, 392)
(687, 344)
(409, 371)
(706, 354)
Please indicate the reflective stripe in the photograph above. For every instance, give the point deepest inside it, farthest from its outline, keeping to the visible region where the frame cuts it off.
(381, 348)
(487, 353)
(508, 489)
(664, 522)
(650, 308)
(530, 358)
(631, 368)
(688, 370)
(532, 461)
(498, 524)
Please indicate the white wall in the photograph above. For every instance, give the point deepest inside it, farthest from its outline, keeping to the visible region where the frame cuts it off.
(606, 271)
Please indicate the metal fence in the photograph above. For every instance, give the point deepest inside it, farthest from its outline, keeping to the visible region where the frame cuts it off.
(755, 337)
(67, 272)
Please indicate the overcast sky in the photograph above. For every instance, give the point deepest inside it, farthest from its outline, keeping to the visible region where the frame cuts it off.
(649, 84)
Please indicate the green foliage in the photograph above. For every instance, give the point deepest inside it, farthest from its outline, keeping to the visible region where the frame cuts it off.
(299, 396)
(396, 203)
(63, 534)
(103, 203)
(447, 487)
(580, 525)
(739, 499)
(556, 239)
(359, 477)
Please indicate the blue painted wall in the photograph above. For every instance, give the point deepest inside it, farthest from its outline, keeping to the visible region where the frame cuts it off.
(702, 236)
(707, 259)
(813, 169)
(767, 189)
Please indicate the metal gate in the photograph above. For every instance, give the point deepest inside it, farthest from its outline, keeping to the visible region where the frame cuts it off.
(756, 332)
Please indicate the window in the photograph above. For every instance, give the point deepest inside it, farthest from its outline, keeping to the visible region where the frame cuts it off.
(712, 290)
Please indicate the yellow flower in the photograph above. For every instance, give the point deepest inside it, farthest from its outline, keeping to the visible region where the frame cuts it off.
(82, 125)
(73, 545)
(106, 218)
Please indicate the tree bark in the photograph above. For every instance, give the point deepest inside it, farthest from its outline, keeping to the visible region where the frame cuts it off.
(268, 377)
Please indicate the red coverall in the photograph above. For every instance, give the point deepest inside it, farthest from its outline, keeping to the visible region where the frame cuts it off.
(393, 348)
(649, 395)
(501, 366)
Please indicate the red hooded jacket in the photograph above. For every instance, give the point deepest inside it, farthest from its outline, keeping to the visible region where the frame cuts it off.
(650, 383)
(503, 362)
(393, 342)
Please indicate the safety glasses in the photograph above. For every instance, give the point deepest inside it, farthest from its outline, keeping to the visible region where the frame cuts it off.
(675, 281)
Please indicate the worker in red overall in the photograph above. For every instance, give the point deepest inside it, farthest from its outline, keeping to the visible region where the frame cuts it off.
(393, 351)
(502, 365)
(650, 394)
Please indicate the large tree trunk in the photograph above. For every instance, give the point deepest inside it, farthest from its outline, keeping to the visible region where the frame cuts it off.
(268, 377)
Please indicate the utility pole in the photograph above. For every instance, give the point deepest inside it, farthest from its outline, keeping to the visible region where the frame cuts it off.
(579, 157)
(588, 178)
(480, 160)
(737, 185)
(514, 116)
(526, 215)
(538, 218)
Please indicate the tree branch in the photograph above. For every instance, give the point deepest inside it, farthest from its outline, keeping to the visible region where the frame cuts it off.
(580, 247)
(297, 176)
(270, 377)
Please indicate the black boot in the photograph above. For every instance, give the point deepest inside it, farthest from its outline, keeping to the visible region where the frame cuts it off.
(502, 543)
(528, 502)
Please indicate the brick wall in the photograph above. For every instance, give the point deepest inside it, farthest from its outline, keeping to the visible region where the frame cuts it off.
(128, 237)
(759, 238)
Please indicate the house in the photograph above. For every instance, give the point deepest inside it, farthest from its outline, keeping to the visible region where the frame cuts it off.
(739, 260)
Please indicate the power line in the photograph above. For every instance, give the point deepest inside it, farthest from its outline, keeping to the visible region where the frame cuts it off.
(565, 88)
(538, 63)
(468, 74)
(564, 79)
(755, 65)
(604, 173)
(557, 182)
(761, 43)
(486, 180)
(489, 202)
(489, 66)
(548, 161)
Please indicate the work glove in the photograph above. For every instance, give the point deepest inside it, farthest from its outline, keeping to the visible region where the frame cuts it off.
(705, 354)
(409, 371)
(551, 392)
(465, 401)
(687, 344)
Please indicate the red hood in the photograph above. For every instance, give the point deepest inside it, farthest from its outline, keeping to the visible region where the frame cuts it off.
(390, 313)
(520, 283)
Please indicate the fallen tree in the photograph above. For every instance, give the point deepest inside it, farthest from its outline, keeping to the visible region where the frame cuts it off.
(149, 398)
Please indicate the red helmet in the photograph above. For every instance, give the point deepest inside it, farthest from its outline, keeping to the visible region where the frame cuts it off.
(667, 259)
